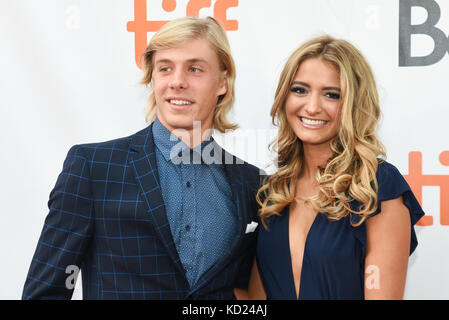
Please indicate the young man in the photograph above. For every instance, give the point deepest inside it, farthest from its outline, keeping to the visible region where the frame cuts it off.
(164, 213)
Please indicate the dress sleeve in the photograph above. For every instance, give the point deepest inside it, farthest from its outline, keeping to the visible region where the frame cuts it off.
(392, 185)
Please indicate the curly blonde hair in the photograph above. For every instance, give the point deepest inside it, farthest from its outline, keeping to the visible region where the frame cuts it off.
(350, 174)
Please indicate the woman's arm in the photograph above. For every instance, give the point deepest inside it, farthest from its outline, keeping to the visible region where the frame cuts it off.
(255, 290)
(387, 253)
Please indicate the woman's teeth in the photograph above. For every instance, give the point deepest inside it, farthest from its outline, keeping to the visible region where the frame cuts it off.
(313, 122)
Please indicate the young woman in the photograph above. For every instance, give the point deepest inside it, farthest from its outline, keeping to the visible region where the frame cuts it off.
(337, 219)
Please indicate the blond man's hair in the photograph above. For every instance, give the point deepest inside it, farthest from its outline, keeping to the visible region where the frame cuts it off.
(177, 32)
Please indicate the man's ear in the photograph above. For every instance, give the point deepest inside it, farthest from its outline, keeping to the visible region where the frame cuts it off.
(223, 84)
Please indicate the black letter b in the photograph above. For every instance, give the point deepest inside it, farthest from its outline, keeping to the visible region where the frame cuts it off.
(406, 29)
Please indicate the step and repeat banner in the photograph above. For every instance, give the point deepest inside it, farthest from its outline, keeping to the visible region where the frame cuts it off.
(70, 74)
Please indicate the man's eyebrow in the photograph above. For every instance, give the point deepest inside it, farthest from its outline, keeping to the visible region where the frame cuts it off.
(304, 84)
(193, 60)
(162, 61)
(198, 60)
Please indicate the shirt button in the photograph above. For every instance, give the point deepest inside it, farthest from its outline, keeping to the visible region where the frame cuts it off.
(187, 228)
(188, 184)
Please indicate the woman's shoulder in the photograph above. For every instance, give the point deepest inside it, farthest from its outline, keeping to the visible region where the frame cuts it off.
(391, 183)
(386, 169)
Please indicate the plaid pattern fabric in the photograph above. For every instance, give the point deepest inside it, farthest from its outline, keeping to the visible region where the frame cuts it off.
(107, 217)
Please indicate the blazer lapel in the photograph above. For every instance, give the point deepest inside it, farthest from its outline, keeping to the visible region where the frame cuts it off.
(238, 187)
(145, 167)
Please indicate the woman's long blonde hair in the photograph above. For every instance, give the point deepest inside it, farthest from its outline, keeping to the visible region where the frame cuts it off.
(350, 174)
(179, 31)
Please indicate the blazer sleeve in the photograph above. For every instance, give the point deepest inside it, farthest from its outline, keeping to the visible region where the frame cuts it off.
(66, 233)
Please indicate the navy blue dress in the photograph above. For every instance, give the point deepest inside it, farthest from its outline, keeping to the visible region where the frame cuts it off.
(334, 253)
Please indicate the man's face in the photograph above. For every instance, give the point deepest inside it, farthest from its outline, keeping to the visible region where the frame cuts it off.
(187, 82)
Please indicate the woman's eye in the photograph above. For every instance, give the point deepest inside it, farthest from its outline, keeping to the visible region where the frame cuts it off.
(333, 95)
(298, 90)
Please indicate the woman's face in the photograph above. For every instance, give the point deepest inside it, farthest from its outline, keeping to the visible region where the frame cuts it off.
(314, 102)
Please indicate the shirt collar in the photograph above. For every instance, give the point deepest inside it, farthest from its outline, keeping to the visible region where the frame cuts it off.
(172, 147)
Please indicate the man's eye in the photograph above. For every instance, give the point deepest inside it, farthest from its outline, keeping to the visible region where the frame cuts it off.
(298, 90)
(333, 95)
(195, 69)
(165, 69)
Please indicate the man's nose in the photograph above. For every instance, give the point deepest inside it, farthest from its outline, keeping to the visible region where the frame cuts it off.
(178, 80)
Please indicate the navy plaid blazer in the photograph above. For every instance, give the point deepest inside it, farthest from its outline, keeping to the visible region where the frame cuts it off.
(107, 217)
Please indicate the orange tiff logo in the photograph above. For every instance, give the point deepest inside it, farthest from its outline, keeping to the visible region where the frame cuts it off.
(417, 180)
(141, 25)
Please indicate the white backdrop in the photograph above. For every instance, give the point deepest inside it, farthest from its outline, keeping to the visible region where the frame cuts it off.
(68, 76)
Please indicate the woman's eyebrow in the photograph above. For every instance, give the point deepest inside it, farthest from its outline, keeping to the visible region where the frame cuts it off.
(332, 88)
(301, 83)
(304, 84)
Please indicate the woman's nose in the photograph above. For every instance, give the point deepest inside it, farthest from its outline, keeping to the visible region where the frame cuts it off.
(313, 104)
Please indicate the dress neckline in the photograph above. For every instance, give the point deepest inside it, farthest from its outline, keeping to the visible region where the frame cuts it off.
(290, 262)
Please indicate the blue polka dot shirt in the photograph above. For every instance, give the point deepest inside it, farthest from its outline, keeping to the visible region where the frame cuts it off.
(198, 201)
